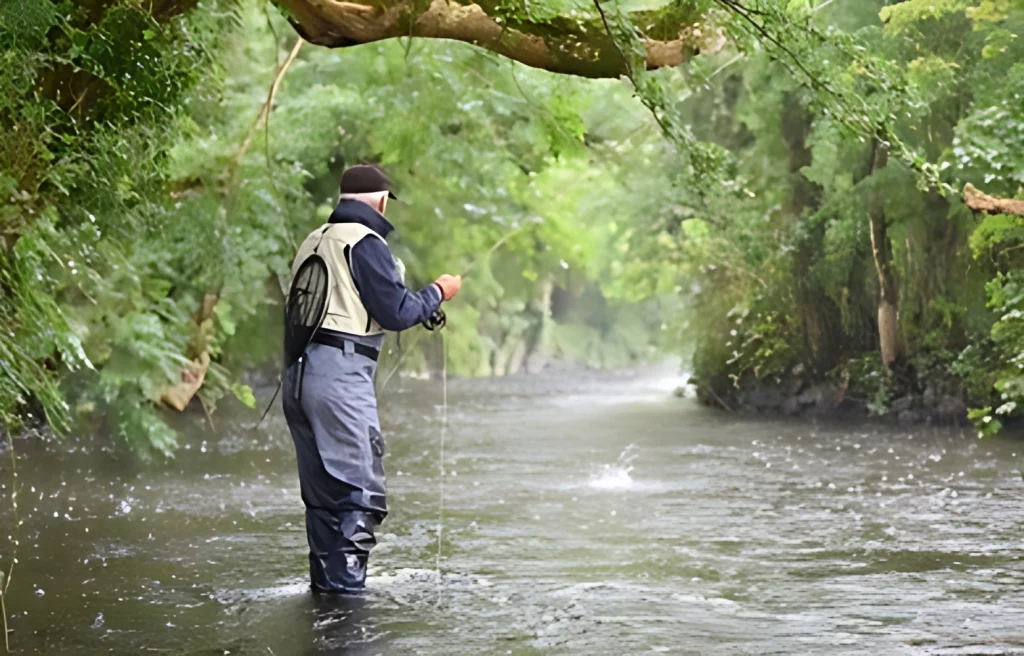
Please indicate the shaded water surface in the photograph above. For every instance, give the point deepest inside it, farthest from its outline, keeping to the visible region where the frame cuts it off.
(709, 535)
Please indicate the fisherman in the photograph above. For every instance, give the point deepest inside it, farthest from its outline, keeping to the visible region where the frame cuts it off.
(329, 398)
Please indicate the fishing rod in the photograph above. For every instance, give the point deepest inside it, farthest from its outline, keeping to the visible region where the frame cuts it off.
(498, 244)
(440, 464)
(441, 318)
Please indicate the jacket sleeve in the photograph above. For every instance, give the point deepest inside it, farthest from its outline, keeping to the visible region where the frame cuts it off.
(385, 297)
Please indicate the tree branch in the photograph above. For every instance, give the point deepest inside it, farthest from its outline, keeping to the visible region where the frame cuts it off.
(573, 45)
(982, 202)
(267, 106)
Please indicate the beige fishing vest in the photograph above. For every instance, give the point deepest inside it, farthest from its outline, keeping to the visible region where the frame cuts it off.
(334, 242)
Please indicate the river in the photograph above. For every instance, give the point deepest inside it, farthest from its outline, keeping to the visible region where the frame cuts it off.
(584, 514)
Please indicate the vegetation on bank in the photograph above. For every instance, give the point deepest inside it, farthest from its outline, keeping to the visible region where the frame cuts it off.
(854, 275)
(795, 189)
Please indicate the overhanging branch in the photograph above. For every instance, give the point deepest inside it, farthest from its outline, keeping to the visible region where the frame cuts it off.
(571, 45)
(982, 202)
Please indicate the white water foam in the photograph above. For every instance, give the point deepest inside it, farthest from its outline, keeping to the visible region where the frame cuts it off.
(411, 577)
(284, 590)
(616, 476)
(406, 576)
(405, 579)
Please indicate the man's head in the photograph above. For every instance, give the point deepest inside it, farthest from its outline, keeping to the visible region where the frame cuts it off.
(367, 184)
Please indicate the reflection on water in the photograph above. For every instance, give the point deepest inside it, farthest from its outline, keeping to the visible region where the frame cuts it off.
(584, 515)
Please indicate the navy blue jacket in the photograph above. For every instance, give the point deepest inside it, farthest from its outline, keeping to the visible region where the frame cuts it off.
(385, 297)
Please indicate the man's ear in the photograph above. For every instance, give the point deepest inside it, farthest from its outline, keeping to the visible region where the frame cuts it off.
(382, 203)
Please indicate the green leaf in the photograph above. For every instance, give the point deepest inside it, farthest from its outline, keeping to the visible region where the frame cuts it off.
(989, 11)
(225, 317)
(984, 422)
(997, 42)
(244, 394)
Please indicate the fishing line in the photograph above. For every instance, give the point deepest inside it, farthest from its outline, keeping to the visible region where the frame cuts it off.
(5, 581)
(444, 435)
(444, 421)
(444, 417)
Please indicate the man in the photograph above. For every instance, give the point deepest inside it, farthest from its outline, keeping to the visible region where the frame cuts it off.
(329, 399)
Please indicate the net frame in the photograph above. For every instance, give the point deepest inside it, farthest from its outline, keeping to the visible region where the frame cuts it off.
(306, 307)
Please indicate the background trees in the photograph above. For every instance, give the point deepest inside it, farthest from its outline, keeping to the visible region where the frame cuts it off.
(787, 173)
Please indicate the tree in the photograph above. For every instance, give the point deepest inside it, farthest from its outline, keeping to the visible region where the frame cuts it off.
(576, 44)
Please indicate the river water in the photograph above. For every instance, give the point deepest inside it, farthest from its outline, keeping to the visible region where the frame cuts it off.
(590, 514)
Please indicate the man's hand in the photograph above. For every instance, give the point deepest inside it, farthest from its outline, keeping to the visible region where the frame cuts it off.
(449, 286)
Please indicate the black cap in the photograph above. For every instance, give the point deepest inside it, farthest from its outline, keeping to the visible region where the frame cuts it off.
(365, 179)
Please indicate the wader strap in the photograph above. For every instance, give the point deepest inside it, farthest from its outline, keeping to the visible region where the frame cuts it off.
(301, 374)
(324, 232)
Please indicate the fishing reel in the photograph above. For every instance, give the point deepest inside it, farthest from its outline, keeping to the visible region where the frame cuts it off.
(436, 321)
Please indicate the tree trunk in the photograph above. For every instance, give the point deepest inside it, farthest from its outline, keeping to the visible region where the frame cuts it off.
(820, 343)
(881, 250)
(539, 337)
(575, 45)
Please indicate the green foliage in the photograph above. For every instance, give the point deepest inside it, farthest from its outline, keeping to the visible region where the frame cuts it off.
(989, 144)
(137, 235)
(780, 277)
(993, 11)
(907, 16)
(994, 233)
(141, 237)
(987, 425)
(84, 126)
(1006, 349)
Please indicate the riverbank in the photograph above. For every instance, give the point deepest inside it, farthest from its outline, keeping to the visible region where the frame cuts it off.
(936, 405)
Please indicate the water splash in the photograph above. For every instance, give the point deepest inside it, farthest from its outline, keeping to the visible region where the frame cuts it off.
(616, 476)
